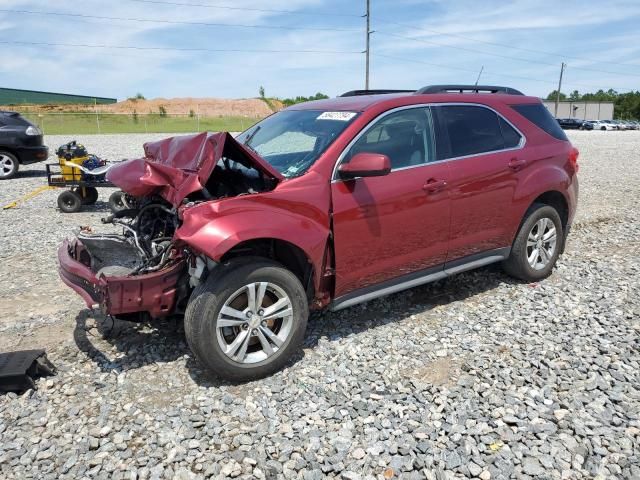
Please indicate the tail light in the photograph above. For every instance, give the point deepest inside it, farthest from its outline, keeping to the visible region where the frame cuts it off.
(573, 159)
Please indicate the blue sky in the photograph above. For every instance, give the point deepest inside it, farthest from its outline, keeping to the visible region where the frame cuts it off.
(520, 43)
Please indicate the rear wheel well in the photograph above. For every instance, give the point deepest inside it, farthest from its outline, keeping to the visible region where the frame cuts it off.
(293, 258)
(11, 151)
(556, 200)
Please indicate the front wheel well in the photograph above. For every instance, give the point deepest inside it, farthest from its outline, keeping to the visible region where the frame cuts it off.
(292, 257)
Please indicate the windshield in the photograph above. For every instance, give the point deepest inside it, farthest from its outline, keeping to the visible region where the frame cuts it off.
(292, 140)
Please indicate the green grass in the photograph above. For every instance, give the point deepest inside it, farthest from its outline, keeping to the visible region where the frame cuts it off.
(86, 123)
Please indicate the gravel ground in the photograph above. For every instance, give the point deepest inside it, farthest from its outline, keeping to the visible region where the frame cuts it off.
(477, 376)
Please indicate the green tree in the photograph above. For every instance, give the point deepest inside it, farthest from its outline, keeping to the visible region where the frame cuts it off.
(162, 110)
(552, 96)
(575, 96)
(261, 91)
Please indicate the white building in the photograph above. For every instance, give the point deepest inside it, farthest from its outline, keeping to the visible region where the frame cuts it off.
(581, 110)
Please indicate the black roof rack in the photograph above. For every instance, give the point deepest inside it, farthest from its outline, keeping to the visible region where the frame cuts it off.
(358, 93)
(468, 88)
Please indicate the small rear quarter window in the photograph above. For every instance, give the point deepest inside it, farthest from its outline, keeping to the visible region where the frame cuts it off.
(537, 114)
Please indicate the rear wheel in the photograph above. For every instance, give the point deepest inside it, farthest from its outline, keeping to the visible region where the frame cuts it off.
(69, 202)
(89, 195)
(117, 201)
(537, 246)
(8, 165)
(246, 321)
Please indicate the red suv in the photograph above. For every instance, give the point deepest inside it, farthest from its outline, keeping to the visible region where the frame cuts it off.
(325, 205)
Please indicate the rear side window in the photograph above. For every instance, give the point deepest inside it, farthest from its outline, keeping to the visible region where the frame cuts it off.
(511, 137)
(537, 114)
(473, 130)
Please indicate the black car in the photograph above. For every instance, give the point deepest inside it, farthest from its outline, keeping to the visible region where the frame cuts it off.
(570, 123)
(21, 142)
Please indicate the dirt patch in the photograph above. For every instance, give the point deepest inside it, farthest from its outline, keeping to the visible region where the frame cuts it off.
(442, 371)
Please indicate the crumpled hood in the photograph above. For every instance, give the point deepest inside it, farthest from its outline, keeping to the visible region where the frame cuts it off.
(178, 166)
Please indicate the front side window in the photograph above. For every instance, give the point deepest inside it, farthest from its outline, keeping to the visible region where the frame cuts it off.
(292, 140)
(474, 130)
(404, 136)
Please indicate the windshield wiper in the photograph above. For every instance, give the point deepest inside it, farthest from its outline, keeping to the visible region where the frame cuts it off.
(250, 137)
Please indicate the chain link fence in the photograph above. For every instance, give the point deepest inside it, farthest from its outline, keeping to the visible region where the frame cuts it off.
(55, 123)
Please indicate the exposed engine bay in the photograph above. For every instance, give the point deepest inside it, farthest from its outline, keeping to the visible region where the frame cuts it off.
(146, 243)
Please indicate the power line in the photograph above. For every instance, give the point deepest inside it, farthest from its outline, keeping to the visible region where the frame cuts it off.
(473, 50)
(228, 7)
(485, 72)
(175, 49)
(452, 67)
(503, 45)
(176, 22)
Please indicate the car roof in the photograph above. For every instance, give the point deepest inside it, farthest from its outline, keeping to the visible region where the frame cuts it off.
(361, 103)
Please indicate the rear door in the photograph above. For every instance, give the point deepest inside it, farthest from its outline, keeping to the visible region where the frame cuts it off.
(485, 156)
(389, 226)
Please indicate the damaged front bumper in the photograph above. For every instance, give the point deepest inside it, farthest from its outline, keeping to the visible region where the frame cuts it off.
(154, 293)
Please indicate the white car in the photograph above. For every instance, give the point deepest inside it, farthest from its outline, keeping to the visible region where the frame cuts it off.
(603, 125)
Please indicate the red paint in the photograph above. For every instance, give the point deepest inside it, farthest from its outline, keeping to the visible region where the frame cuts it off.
(177, 166)
(154, 293)
(365, 230)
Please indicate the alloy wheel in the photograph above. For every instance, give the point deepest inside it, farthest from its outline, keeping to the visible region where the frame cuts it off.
(254, 322)
(541, 243)
(7, 165)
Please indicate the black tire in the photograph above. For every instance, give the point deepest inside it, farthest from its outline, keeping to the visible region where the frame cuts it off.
(117, 201)
(90, 195)
(9, 165)
(517, 265)
(207, 300)
(69, 202)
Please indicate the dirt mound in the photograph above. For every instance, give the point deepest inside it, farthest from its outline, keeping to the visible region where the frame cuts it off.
(205, 107)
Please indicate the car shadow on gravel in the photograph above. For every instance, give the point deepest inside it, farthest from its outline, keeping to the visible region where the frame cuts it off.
(142, 344)
(164, 341)
(396, 307)
(31, 174)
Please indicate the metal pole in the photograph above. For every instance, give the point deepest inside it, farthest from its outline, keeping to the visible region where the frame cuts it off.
(95, 107)
(368, 25)
(478, 79)
(559, 88)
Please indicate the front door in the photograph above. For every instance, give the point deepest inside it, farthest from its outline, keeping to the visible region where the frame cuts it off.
(385, 227)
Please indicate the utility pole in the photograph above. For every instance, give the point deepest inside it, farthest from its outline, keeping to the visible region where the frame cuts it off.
(368, 25)
(478, 79)
(559, 88)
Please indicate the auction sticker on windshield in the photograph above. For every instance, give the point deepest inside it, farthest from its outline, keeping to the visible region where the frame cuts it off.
(341, 116)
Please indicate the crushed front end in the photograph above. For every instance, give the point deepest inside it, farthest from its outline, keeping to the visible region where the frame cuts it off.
(135, 275)
(146, 271)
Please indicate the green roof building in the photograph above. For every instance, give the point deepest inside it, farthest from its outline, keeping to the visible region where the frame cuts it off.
(12, 96)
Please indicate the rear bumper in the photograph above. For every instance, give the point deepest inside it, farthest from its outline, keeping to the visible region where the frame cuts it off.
(153, 293)
(28, 155)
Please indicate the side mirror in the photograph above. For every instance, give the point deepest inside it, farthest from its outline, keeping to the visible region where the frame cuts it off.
(365, 165)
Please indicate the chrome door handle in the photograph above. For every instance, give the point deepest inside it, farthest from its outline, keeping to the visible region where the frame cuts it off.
(517, 163)
(434, 186)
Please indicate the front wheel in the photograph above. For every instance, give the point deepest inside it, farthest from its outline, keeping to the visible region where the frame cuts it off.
(537, 246)
(246, 321)
(69, 202)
